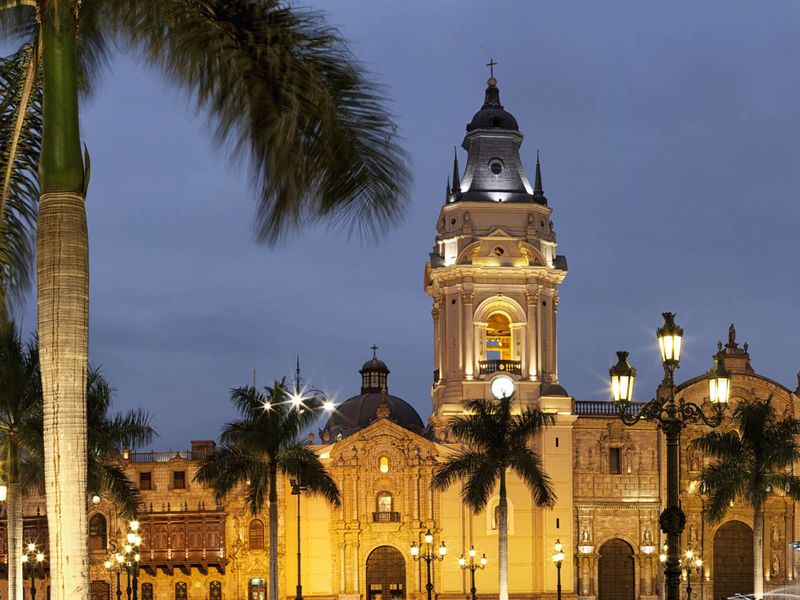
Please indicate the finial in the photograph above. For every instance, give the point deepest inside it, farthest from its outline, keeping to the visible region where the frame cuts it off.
(456, 177)
(374, 349)
(448, 186)
(297, 376)
(491, 64)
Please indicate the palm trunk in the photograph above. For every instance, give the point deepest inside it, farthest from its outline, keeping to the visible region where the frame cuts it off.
(273, 534)
(758, 554)
(14, 520)
(63, 303)
(502, 541)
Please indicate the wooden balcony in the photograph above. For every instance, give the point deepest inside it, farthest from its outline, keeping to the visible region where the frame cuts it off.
(181, 541)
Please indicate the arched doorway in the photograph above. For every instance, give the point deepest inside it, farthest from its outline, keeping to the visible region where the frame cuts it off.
(616, 571)
(386, 574)
(733, 559)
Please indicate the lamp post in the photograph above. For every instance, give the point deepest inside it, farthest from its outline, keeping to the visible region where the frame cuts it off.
(428, 556)
(558, 558)
(672, 415)
(472, 566)
(297, 489)
(692, 563)
(132, 548)
(114, 563)
(34, 559)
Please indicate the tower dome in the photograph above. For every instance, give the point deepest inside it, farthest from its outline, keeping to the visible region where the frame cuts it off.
(492, 115)
(373, 403)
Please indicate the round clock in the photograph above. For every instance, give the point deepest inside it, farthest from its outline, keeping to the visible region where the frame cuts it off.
(502, 386)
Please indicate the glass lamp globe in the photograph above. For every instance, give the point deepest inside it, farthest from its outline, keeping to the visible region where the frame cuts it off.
(442, 549)
(719, 384)
(622, 377)
(502, 387)
(669, 339)
(428, 537)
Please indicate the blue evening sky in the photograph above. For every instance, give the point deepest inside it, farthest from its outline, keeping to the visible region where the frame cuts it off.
(669, 139)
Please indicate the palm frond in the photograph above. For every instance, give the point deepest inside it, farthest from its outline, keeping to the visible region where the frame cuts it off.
(720, 445)
(303, 464)
(287, 98)
(528, 465)
(109, 479)
(229, 467)
(479, 485)
(20, 145)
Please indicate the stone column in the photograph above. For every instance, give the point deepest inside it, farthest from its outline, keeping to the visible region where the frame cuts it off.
(529, 366)
(467, 298)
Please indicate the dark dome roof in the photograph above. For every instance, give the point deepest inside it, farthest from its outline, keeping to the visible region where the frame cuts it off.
(492, 115)
(374, 364)
(358, 412)
(552, 389)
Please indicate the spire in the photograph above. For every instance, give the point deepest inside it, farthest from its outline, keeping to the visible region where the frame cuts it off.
(456, 177)
(538, 191)
(297, 376)
(447, 192)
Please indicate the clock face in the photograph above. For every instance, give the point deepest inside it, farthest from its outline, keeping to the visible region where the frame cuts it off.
(502, 387)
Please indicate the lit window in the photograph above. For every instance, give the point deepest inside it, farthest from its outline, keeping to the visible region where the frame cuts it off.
(498, 338)
(383, 464)
(384, 502)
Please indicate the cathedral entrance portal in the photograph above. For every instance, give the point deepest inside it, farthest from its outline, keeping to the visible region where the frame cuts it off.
(386, 574)
(616, 571)
(733, 560)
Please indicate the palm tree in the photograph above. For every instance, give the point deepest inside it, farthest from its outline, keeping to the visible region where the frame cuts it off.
(286, 97)
(108, 436)
(496, 438)
(20, 439)
(750, 461)
(261, 445)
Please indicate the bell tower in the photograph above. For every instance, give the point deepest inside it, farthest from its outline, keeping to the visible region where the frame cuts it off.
(494, 272)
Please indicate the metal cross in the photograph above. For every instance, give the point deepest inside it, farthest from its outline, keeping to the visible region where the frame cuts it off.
(374, 349)
(491, 65)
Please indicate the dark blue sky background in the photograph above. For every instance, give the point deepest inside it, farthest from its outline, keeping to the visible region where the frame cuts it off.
(669, 139)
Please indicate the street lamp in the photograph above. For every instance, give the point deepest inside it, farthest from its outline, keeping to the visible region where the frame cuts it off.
(297, 489)
(428, 556)
(462, 562)
(692, 563)
(132, 549)
(672, 415)
(558, 558)
(34, 558)
(115, 563)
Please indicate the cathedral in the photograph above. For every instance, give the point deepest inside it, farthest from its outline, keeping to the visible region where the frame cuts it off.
(493, 279)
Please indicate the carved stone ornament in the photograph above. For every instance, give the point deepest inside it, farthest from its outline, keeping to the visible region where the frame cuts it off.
(672, 520)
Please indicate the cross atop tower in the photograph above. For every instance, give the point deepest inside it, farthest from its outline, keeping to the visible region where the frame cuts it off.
(491, 65)
(374, 349)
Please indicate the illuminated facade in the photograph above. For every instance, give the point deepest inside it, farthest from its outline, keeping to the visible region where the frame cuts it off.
(493, 278)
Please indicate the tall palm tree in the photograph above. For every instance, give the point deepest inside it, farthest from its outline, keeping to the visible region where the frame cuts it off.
(20, 438)
(286, 97)
(496, 437)
(261, 445)
(750, 462)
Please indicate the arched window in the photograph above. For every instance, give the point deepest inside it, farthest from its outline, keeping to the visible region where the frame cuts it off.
(498, 337)
(383, 464)
(385, 502)
(215, 590)
(255, 535)
(98, 534)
